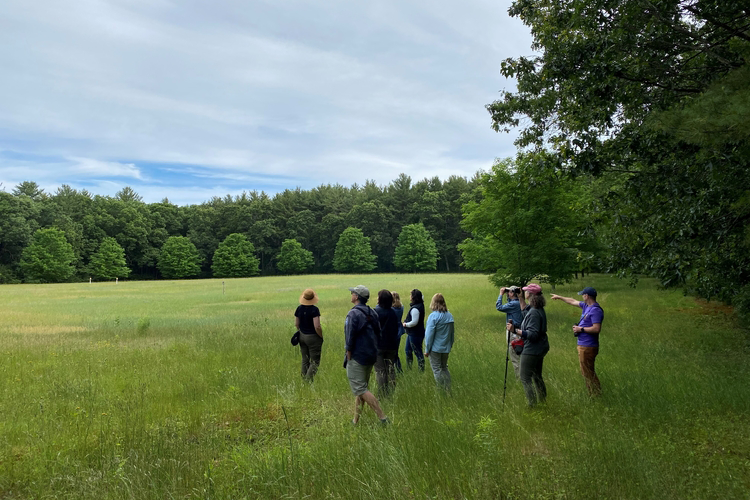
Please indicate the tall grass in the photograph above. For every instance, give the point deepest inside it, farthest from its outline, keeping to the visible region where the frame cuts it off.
(175, 390)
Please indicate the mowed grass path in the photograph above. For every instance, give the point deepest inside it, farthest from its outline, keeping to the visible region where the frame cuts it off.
(173, 389)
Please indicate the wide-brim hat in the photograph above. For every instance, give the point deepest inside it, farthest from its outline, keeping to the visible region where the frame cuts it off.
(308, 297)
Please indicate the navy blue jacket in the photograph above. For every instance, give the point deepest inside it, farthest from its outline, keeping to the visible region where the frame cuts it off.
(389, 324)
(362, 331)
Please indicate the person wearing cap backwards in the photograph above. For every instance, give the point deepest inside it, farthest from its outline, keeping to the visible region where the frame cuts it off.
(362, 331)
(512, 310)
(533, 331)
(587, 330)
(307, 321)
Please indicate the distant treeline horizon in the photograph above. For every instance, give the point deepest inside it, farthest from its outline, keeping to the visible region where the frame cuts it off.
(314, 217)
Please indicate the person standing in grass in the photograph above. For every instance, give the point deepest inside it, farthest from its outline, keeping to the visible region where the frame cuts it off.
(533, 331)
(307, 321)
(385, 366)
(512, 310)
(587, 330)
(414, 325)
(438, 340)
(362, 330)
(398, 308)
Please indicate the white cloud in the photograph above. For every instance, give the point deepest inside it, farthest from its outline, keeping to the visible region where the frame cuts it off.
(96, 168)
(317, 92)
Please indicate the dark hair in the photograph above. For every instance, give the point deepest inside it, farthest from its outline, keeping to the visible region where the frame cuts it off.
(537, 301)
(416, 297)
(362, 300)
(385, 299)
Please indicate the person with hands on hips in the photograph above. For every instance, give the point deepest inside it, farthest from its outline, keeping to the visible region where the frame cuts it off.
(587, 330)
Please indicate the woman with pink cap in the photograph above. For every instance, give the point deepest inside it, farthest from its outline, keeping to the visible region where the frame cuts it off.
(533, 332)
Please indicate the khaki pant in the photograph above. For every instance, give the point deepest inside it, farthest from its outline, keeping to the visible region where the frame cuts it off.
(310, 345)
(586, 358)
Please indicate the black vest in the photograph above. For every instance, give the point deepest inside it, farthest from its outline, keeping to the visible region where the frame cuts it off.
(418, 329)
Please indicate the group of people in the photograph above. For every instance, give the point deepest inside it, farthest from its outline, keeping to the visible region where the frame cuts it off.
(373, 338)
(528, 343)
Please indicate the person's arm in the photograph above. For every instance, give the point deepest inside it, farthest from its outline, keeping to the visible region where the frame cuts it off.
(593, 329)
(316, 324)
(567, 300)
(414, 318)
(429, 334)
(499, 303)
(296, 322)
(533, 327)
(349, 331)
(522, 300)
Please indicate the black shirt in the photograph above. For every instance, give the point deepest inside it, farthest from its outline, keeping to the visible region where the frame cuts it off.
(306, 315)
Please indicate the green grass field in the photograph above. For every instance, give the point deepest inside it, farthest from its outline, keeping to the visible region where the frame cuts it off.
(174, 390)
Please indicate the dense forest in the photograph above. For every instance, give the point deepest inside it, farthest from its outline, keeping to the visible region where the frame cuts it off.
(314, 218)
(633, 134)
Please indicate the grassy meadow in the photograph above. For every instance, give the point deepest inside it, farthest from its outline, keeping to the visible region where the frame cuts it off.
(173, 389)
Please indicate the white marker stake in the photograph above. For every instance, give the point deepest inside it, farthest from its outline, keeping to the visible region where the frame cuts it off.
(116, 280)
(89, 280)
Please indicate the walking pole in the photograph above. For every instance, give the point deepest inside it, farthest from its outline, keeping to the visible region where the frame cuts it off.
(507, 357)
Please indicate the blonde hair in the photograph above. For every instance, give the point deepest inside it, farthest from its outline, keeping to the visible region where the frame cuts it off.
(438, 303)
(396, 299)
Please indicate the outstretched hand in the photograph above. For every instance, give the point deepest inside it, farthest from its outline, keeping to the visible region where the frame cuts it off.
(556, 297)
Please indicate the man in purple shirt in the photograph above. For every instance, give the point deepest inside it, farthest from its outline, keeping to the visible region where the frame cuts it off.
(587, 330)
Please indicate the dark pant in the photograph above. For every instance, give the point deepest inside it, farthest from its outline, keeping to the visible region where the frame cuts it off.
(414, 346)
(531, 378)
(586, 358)
(310, 345)
(385, 370)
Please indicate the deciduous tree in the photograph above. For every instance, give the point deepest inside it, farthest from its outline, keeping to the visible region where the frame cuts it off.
(109, 261)
(48, 258)
(416, 249)
(293, 259)
(179, 258)
(353, 253)
(525, 226)
(235, 258)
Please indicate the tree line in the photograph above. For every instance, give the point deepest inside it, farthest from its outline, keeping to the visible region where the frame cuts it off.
(73, 235)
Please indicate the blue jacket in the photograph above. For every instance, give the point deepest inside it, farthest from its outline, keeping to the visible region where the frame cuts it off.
(512, 310)
(439, 332)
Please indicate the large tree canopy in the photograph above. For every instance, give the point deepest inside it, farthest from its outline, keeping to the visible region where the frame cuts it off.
(658, 92)
(48, 258)
(235, 258)
(528, 224)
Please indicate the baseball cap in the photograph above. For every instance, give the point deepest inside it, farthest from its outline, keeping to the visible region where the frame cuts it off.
(588, 291)
(533, 288)
(361, 290)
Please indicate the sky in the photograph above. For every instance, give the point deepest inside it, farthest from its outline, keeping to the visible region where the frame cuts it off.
(191, 99)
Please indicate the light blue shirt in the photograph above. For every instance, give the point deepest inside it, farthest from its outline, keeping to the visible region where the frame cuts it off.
(439, 331)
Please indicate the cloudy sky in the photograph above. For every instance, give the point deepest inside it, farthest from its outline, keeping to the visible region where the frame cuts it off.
(188, 99)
